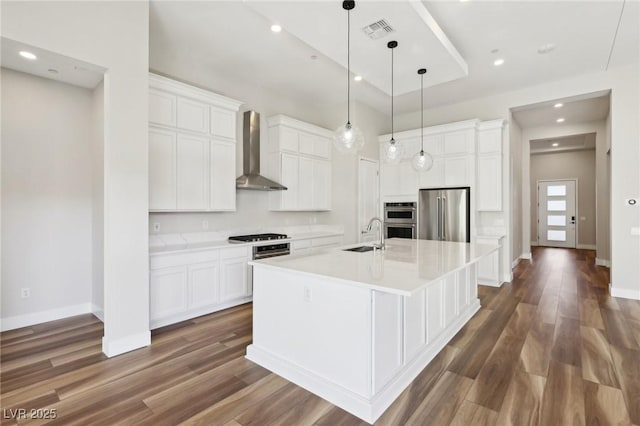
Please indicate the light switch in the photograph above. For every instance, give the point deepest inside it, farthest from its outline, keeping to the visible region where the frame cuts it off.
(583, 218)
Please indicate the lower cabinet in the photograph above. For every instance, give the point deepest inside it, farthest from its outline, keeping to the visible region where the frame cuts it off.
(489, 267)
(187, 285)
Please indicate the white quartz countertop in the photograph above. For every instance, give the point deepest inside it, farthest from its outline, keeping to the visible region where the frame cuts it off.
(403, 268)
(176, 244)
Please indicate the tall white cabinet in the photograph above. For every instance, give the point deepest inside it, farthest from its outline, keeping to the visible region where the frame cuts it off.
(299, 156)
(192, 153)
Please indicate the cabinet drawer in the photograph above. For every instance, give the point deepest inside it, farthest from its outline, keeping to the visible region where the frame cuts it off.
(229, 253)
(181, 259)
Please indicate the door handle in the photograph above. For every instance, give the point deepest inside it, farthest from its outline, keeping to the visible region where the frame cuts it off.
(573, 220)
(444, 216)
(438, 215)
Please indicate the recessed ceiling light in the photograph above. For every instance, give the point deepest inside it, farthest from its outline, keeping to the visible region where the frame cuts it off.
(276, 28)
(28, 55)
(358, 78)
(554, 144)
(560, 120)
(498, 62)
(558, 105)
(53, 71)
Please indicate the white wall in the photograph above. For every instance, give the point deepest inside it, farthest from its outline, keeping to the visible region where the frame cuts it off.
(46, 196)
(625, 150)
(252, 206)
(115, 36)
(580, 165)
(97, 235)
(515, 171)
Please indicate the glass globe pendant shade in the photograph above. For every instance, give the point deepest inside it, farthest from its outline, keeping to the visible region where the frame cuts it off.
(348, 139)
(422, 161)
(392, 152)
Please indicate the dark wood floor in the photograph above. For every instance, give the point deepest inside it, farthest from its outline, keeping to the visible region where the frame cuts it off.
(552, 348)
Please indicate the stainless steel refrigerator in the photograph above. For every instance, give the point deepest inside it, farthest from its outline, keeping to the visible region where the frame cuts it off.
(443, 214)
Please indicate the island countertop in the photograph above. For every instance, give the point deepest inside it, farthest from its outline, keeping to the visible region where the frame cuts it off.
(403, 268)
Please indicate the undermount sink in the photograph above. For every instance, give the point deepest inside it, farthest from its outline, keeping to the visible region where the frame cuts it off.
(360, 249)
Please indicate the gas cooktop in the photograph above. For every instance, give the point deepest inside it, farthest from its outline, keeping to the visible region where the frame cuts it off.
(257, 237)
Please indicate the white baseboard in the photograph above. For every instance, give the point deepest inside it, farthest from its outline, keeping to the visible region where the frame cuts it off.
(625, 293)
(526, 256)
(97, 311)
(368, 409)
(27, 320)
(490, 283)
(603, 262)
(122, 345)
(586, 246)
(515, 263)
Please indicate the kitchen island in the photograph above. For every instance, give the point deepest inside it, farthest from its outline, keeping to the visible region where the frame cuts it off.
(356, 328)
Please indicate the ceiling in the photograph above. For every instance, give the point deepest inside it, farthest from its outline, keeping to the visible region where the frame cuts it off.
(567, 143)
(50, 65)
(305, 62)
(573, 110)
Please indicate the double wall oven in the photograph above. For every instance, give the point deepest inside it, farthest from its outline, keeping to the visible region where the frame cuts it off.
(400, 220)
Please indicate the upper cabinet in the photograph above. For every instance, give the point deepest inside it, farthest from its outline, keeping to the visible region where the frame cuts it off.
(300, 158)
(489, 169)
(192, 148)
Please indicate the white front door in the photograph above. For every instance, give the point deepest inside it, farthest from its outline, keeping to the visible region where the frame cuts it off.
(368, 197)
(557, 213)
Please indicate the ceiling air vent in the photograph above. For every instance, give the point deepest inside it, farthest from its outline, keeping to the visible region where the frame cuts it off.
(378, 29)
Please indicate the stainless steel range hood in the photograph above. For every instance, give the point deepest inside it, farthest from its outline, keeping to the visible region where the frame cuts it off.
(251, 178)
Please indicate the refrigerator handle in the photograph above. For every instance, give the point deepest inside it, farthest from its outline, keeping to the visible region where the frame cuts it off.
(444, 217)
(438, 215)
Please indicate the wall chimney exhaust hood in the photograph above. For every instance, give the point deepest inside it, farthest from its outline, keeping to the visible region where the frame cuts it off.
(251, 177)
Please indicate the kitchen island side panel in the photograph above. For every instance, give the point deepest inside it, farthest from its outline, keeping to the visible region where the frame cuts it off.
(321, 326)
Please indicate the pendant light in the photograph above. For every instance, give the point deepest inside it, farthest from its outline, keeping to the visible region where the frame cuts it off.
(348, 139)
(422, 161)
(392, 150)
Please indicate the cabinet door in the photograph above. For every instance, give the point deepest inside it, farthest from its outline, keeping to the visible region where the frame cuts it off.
(322, 148)
(408, 178)
(458, 142)
(162, 170)
(306, 184)
(306, 143)
(433, 178)
(289, 175)
(321, 185)
(193, 115)
(233, 278)
(162, 108)
(223, 123)
(288, 139)
(389, 179)
(433, 144)
(489, 183)
(204, 284)
(490, 141)
(193, 173)
(223, 176)
(488, 269)
(167, 292)
(456, 171)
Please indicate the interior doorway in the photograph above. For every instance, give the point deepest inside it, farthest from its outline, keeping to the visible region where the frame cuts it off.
(368, 197)
(557, 213)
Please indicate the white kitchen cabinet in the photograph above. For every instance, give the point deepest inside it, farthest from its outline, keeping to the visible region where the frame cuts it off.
(458, 171)
(459, 142)
(187, 285)
(434, 177)
(198, 172)
(168, 291)
(193, 173)
(489, 166)
(489, 268)
(234, 278)
(299, 156)
(204, 284)
(222, 191)
(162, 169)
(162, 108)
(193, 115)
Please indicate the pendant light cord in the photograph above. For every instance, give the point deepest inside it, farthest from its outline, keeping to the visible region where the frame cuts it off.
(421, 114)
(392, 95)
(348, 66)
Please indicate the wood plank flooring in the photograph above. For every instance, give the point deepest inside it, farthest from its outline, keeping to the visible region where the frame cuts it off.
(551, 348)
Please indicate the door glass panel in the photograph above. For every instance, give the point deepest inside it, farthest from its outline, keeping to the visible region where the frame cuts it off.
(557, 205)
(556, 190)
(556, 235)
(554, 220)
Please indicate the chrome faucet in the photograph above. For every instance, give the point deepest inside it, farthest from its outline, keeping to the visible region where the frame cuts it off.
(380, 228)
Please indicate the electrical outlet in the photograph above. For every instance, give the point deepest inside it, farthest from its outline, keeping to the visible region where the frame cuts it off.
(156, 227)
(205, 225)
(25, 293)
